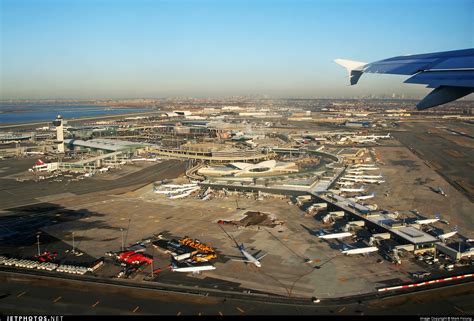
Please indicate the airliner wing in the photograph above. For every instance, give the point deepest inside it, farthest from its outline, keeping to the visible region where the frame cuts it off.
(241, 260)
(346, 247)
(450, 73)
(260, 256)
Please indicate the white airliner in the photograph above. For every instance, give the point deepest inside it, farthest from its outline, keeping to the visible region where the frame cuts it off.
(373, 136)
(163, 192)
(346, 183)
(191, 268)
(178, 186)
(358, 175)
(175, 191)
(439, 190)
(182, 190)
(371, 176)
(249, 258)
(370, 168)
(363, 165)
(360, 250)
(185, 194)
(445, 236)
(365, 197)
(355, 172)
(355, 169)
(328, 236)
(344, 178)
(361, 175)
(364, 140)
(382, 136)
(428, 220)
(364, 176)
(351, 179)
(372, 181)
(355, 190)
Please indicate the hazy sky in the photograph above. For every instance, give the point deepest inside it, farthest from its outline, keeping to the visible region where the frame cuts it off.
(140, 48)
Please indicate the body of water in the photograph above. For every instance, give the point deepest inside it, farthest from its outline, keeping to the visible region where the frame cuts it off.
(25, 113)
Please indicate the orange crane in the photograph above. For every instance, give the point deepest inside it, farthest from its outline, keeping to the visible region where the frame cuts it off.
(206, 252)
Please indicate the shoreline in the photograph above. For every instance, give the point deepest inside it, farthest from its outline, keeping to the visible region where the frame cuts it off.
(78, 119)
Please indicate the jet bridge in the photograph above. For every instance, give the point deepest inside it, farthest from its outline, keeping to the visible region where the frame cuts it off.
(376, 237)
(331, 215)
(353, 224)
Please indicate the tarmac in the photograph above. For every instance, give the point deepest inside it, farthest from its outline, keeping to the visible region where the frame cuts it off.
(448, 153)
(298, 264)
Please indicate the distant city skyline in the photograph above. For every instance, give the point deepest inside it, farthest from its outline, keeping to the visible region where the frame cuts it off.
(83, 49)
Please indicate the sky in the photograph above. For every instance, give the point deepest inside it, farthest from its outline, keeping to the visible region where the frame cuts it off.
(204, 48)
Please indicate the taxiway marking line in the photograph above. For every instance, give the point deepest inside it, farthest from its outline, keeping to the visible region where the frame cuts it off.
(460, 310)
(21, 294)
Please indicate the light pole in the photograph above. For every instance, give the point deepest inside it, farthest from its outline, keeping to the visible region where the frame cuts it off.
(38, 242)
(152, 260)
(122, 238)
(73, 244)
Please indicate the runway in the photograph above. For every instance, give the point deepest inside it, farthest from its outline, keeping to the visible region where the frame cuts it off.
(13, 193)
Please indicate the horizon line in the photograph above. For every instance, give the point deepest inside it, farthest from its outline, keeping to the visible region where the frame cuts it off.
(213, 97)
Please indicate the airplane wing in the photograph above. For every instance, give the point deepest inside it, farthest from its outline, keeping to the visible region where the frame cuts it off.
(450, 73)
(241, 260)
(260, 256)
(346, 247)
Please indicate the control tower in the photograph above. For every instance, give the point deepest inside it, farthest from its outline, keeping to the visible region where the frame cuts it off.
(59, 123)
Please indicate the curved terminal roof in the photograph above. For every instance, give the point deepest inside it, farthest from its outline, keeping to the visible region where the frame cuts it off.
(248, 166)
(105, 144)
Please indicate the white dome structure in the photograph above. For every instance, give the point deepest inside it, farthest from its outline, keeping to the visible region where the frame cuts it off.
(269, 167)
(262, 167)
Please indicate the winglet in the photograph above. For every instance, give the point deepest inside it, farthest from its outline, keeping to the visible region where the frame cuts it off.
(355, 69)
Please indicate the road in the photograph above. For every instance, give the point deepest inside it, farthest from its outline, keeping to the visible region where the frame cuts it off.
(25, 295)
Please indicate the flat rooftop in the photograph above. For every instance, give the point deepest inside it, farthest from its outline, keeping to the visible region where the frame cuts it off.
(414, 235)
(113, 145)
